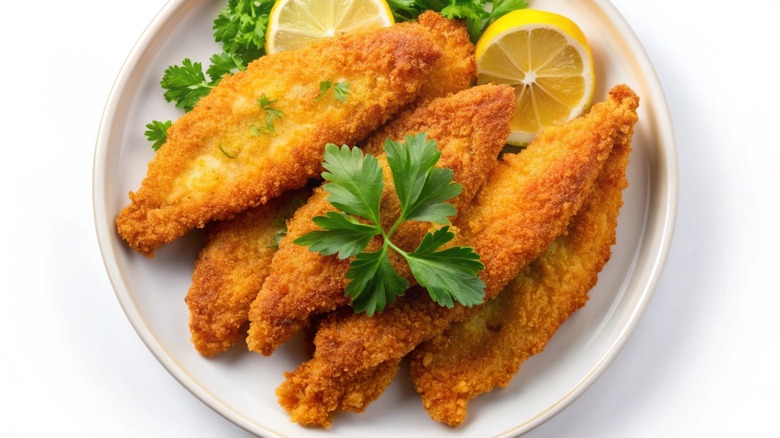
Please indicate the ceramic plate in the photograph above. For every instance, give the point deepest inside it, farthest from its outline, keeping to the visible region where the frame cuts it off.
(240, 385)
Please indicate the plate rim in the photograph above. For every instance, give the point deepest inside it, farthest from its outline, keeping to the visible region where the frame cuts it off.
(667, 189)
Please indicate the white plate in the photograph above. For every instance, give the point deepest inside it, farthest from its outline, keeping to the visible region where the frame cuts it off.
(240, 385)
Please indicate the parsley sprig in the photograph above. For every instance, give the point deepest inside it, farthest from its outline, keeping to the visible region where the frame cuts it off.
(355, 187)
(240, 27)
(185, 84)
(479, 14)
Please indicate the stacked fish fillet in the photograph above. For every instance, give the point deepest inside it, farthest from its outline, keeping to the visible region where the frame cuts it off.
(543, 220)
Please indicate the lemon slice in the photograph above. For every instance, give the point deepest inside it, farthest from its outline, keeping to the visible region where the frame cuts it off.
(294, 23)
(546, 57)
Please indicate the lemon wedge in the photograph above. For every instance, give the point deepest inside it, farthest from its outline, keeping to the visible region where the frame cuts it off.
(546, 58)
(294, 23)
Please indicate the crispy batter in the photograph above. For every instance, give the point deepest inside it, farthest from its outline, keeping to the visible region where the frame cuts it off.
(457, 68)
(233, 265)
(220, 158)
(230, 269)
(486, 350)
(365, 387)
(470, 128)
(526, 203)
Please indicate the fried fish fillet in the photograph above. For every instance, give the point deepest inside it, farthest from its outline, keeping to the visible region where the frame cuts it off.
(262, 131)
(486, 350)
(470, 128)
(237, 253)
(456, 70)
(231, 267)
(525, 204)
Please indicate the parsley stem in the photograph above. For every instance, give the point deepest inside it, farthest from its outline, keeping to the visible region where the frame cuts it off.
(204, 84)
(398, 222)
(390, 244)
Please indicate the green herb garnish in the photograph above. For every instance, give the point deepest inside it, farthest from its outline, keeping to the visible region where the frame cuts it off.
(222, 64)
(157, 133)
(355, 186)
(271, 114)
(340, 90)
(185, 84)
(240, 27)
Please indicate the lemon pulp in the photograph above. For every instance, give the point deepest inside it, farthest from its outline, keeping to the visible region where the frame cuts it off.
(294, 23)
(545, 57)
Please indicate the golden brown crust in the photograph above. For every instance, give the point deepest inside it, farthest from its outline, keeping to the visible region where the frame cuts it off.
(487, 350)
(457, 68)
(192, 180)
(526, 203)
(231, 268)
(553, 177)
(470, 128)
(364, 388)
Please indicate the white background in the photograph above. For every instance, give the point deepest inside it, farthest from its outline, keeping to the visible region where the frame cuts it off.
(703, 361)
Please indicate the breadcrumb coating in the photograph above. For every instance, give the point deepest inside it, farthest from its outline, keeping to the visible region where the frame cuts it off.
(231, 268)
(470, 128)
(526, 203)
(236, 256)
(487, 350)
(223, 157)
(457, 68)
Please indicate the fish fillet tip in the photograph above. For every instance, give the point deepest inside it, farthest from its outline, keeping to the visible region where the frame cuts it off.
(291, 395)
(413, 49)
(444, 381)
(627, 102)
(259, 340)
(457, 68)
(125, 223)
(624, 94)
(208, 347)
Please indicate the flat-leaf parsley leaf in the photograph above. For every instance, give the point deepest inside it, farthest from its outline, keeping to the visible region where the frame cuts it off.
(340, 90)
(157, 133)
(185, 84)
(450, 274)
(354, 182)
(222, 64)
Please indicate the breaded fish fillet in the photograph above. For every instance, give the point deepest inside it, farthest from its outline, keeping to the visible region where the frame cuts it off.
(474, 356)
(230, 269)
(237, 253)
(262, 131)
(470, 128)
(525, 204)
(456, 70)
